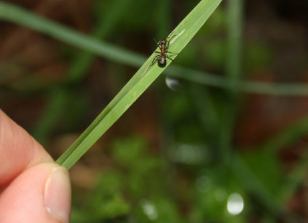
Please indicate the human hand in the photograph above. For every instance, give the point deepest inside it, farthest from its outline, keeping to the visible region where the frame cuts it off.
(32, 187)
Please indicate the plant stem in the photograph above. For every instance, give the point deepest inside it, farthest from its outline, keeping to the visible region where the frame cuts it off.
(233, 72)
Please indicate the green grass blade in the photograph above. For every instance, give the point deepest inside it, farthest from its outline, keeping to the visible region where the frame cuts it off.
(200, 77)
(282, 140)
(22, 17)
(183, 33)
(295, 178)
(235, 16)
(233, 70)
(287, 137)
(252, 184)
(76, 71)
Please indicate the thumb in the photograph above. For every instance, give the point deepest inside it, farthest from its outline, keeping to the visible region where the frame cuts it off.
(40, 194)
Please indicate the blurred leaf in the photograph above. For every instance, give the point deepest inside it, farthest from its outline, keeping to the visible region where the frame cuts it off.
(127, 151)
(266, 168)
(216, 23)
(107, 200)
(191, 132)
(215, 52)
(176, 107)
(110, 182)
(258, 56)
(190, 56)
(213, 188)
(158, 210)
(111, 208)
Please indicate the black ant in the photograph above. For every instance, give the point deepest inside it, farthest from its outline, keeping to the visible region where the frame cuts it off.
(162, 57)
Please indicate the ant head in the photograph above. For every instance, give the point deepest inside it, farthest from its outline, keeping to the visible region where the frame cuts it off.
(164, 41)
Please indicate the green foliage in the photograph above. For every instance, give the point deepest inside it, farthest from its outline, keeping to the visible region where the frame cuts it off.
(265, 166)
(215, 52)
(128, 156)
(107, 201)
(134, 189)
(177, 107)
(258, 56)
(213, 189)
(158, 210)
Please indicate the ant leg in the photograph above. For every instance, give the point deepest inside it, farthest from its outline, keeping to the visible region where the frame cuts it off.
(169, 57)
(167, 45)
(171, 36)
(156, 41)
(171, 33)
(172, 53)
(158, 44)
(153, 61)
(169, 39)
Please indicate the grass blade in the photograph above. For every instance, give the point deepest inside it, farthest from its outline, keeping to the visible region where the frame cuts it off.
(183, 33)
(22, 17)
(233, 72)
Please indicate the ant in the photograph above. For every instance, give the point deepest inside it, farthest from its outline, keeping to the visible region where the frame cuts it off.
(162, 57)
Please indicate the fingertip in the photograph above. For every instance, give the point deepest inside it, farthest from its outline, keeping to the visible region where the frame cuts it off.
(40, 194)
(57, 193)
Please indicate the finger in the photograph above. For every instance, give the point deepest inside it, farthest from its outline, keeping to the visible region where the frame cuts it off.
(40, 194)
(18, 150)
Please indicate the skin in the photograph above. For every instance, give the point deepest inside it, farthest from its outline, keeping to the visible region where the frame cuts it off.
(32, 187)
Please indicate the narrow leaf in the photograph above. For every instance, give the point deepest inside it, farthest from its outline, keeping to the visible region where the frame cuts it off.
(144, 77)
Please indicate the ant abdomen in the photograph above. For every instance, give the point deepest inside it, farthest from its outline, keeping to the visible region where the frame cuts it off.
(162, 61)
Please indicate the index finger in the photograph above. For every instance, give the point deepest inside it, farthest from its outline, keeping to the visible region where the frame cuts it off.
(18, 150)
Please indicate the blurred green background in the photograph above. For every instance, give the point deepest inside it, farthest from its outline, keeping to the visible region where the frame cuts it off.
(228, 147)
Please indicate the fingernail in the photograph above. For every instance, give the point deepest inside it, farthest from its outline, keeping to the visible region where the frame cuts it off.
(57, 195)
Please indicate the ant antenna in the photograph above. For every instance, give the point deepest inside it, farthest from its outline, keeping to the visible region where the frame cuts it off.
(155, 41)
